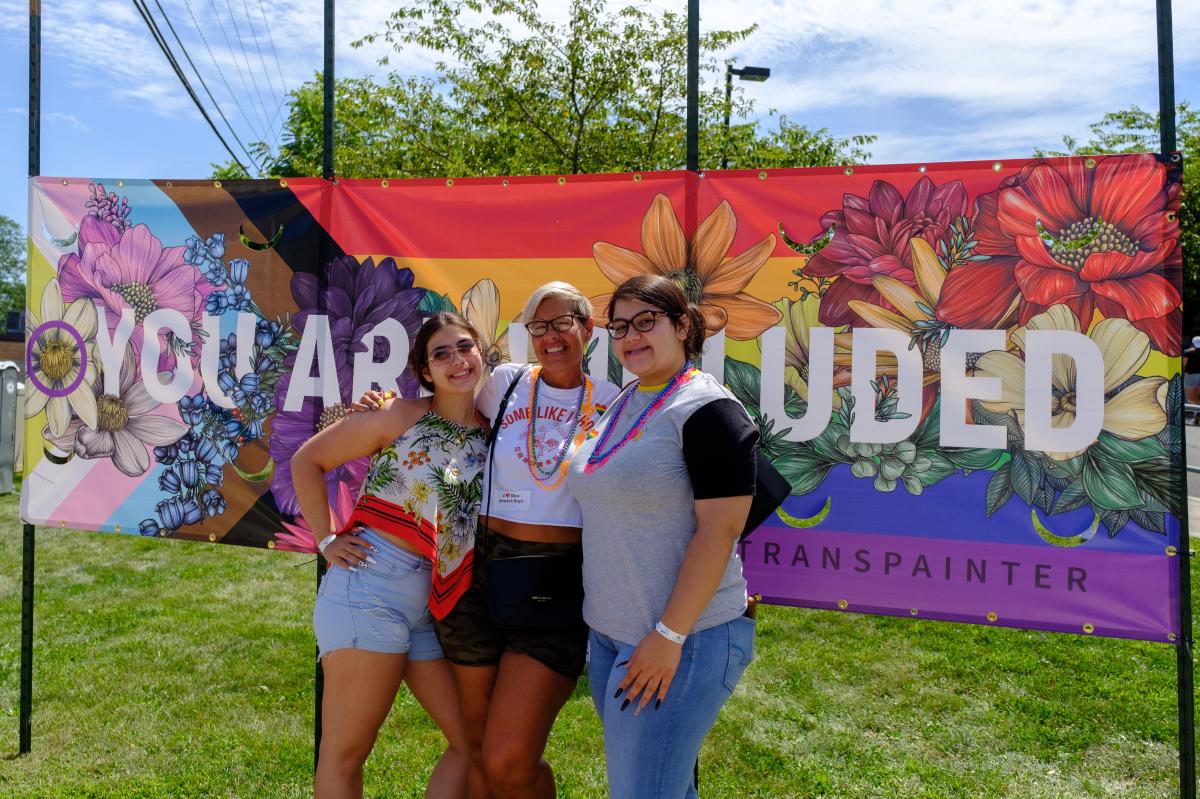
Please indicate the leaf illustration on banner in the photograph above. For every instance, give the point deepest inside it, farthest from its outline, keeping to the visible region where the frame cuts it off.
(1114, 521)
(1110, 484)
(804, 472)
(1119, 449)
(745, 381)
(1161, 483)
(1063, 540)
(260, 246)
(1072, 497)
(810, 521)
(433, 303)
(1147, 520)
(1171, 436)
(999, 489)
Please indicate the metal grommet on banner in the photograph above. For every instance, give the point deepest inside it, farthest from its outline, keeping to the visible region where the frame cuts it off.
(1171, 216)
(1089, 628)
(64, 181)
(212, 536)
(762, 175)
(62, 525)
(170, 184)
(991, 616)
(120, 184)
(912, 611)
(449, 181)
(921, 169)
(116, 528)
(383, 183)
(334, 181)
(562, 181)
(996, 167)
(283, 184)
(848, 171)
(757, 597)
(701, 176)
(270, 545)
(843, 604)
(217, 184)
(1171, 637)
(504, 182)
(637, 178)
(1090, 163)
(1172, 552)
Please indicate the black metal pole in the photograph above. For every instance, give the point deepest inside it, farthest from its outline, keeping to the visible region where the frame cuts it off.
(25, 712)
(693, 86)
(728, 106)
(328, 82)
(1184, 666)
(327, 78)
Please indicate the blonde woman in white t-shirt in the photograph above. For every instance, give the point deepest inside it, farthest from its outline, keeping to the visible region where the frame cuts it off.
(514, 678)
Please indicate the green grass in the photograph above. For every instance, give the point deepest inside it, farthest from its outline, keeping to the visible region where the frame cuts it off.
(174, 669)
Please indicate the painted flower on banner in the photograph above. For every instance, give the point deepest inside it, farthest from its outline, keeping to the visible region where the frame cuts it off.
(1090, 238)
(481, 307)
(125, 425)
(872, 235)
(298, 536)
(132, 270)
(799, 317)
(1133, 409)
(357, 297)
(62, 361)
(716, 285)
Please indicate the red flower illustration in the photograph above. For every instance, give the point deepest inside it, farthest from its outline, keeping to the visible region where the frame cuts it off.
(871, 237)
(1089, 238)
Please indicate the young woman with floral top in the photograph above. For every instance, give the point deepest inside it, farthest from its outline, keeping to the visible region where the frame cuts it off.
(512, 681)
(665, 486)
(402, 561)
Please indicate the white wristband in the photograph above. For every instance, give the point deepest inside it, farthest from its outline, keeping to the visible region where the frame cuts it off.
(326, 541)
(668, 633)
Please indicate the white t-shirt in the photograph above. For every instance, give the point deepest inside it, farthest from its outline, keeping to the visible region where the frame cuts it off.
(515, 495)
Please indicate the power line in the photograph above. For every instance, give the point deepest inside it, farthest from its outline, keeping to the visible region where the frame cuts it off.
(221, 72)
(233, 55)
(200, 77)
(249, 71)
(162, 43)
(271, 41)
(266, 72)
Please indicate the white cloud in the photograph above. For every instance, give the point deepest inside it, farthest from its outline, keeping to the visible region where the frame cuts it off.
(922, 74)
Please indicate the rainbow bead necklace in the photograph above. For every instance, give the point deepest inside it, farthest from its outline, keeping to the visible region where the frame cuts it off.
(583, 407)
(599, 456)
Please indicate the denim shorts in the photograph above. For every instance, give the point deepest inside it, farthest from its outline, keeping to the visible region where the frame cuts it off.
(380, 607)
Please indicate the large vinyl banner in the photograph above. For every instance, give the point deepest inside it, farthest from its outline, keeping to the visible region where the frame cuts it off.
(969, 372)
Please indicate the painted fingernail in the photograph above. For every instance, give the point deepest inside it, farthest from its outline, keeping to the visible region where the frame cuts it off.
(370, 559)
(622, 663)
(353, 568)
(657, 704)
(618, 693)
(625, 704)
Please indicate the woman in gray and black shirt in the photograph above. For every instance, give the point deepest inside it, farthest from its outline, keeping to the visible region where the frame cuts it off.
(665, 486)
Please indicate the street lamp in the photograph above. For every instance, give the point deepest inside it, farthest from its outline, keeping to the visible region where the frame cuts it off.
(754, 74)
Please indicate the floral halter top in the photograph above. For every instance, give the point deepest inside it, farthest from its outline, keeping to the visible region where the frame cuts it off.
(425, 488)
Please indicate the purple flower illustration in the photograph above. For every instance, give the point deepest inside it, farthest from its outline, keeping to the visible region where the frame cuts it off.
(125, 426)
(356, 298)
(871, 237)
(132, 269)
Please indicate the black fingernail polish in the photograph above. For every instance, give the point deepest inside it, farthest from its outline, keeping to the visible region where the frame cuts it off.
(625, 704)
(623, 663)
(657, 704)
(618, 693)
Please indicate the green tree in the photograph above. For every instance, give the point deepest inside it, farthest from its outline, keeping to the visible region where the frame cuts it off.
(1136, 131)
(515, 93)
(12, 266)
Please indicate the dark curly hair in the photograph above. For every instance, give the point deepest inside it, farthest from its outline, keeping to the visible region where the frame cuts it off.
(666, 295)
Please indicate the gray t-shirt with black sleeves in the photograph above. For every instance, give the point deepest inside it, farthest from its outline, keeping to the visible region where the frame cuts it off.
(638, 508)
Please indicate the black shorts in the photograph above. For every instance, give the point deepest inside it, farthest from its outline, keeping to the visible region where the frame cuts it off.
(469, 637)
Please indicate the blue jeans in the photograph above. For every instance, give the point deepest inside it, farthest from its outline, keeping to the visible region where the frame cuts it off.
(651, 756)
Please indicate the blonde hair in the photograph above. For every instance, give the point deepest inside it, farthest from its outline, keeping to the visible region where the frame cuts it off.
(557, 289)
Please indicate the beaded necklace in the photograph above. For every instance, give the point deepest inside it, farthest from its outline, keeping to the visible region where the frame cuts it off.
(583, 407)
(599, 457)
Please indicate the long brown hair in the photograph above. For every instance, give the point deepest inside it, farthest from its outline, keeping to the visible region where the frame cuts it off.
(418, 356)
(665, 294)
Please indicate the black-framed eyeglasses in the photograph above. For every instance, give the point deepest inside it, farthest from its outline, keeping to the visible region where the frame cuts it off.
(443, 355)
(642, 322)
(540, 327)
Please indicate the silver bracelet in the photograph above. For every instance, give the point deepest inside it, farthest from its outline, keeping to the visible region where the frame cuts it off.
(668, 633)
(326, 541)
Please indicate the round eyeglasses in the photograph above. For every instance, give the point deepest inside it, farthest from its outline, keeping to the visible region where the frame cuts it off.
(444, 354)
(540, 327)
(642, 322)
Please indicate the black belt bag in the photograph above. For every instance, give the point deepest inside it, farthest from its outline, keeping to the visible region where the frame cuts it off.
(539, 591)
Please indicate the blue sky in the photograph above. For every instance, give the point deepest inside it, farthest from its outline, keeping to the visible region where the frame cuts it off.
(935, 80)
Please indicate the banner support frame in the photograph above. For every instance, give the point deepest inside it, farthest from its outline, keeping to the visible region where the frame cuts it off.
(1184, 664)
